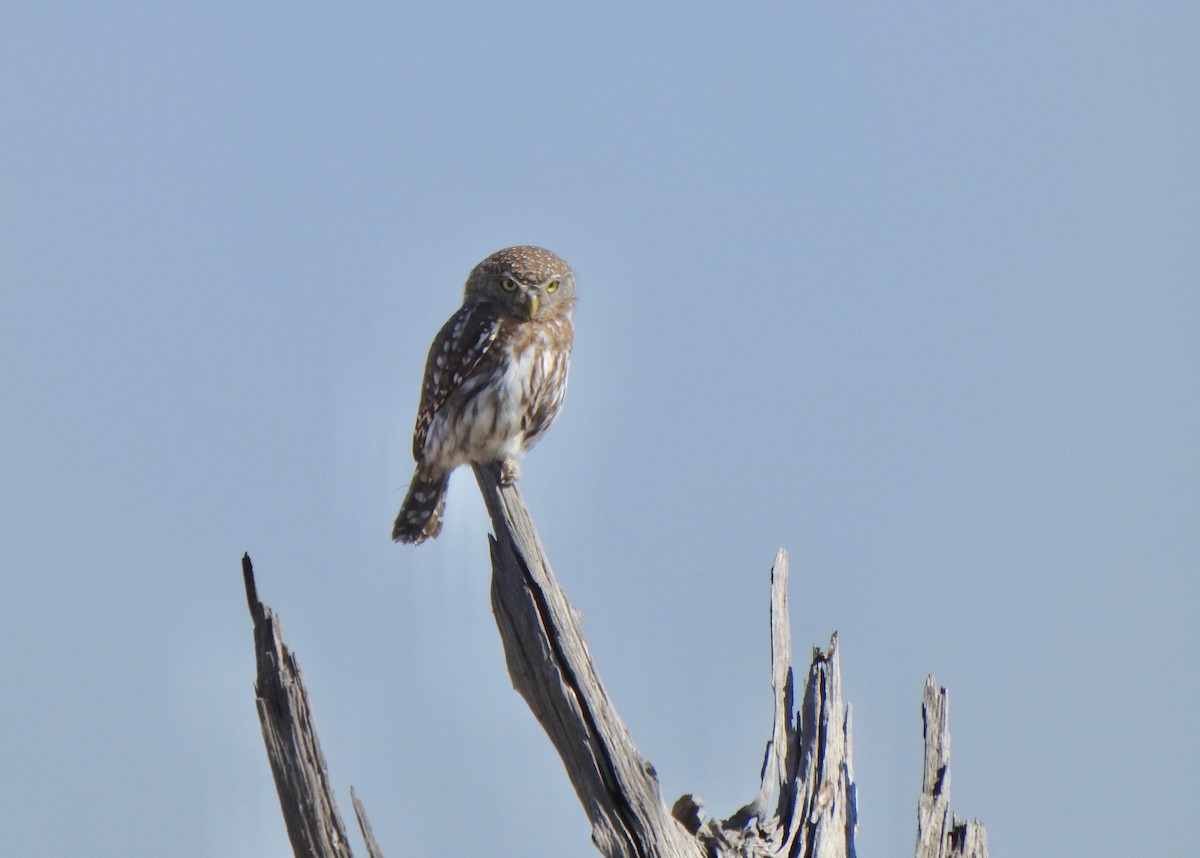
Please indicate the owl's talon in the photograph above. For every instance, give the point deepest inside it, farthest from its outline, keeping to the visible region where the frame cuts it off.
(510, 471)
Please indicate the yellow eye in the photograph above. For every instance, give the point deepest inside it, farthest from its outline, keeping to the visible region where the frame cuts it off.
(552, 286)
(508, 285)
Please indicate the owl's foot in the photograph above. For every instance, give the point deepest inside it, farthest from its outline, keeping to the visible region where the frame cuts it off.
(510, 471)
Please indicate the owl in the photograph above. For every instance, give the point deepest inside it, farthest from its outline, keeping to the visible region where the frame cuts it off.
(494, 381)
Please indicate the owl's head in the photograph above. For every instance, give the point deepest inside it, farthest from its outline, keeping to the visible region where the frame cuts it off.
(528, 282)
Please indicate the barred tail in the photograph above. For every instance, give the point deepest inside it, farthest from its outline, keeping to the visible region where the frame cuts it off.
(420, 515)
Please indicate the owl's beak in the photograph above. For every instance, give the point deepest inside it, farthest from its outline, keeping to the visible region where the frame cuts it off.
(531, 303)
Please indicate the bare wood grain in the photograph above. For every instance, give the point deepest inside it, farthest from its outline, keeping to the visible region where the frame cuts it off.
(807, 767)
(806, 804)
(364, 825)
(806, 772)
(550, 666)
(940, 833)
(310, 812)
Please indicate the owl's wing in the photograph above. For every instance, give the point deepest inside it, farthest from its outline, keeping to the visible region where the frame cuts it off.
(457, 349)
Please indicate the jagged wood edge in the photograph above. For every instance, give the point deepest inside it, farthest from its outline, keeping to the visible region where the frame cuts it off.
(807, 765)
(940, 833)
(364, 825)
(310, 812)
(550, 666)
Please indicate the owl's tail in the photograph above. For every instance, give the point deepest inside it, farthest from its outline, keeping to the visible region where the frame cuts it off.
(420, 515)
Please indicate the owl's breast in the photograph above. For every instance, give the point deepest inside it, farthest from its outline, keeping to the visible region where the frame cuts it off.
(507, 403)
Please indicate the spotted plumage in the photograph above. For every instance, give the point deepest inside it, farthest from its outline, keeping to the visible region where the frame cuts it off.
(494, 380)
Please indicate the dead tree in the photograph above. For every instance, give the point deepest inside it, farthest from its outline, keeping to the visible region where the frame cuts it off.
(805, 805)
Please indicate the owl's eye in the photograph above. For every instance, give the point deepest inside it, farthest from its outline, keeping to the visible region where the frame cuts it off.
(552, 286)
(508, 285)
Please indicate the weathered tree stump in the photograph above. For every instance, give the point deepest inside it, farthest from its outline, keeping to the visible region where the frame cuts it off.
(806, 803)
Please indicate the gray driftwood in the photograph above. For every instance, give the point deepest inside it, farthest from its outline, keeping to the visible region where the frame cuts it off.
(310, 812)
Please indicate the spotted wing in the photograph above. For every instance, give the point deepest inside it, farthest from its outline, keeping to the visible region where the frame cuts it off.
(456, 351)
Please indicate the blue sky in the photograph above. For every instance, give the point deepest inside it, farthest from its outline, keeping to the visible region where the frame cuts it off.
(909, 291)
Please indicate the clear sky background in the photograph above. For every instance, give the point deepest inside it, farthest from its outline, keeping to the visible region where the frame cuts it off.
(911, 290)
